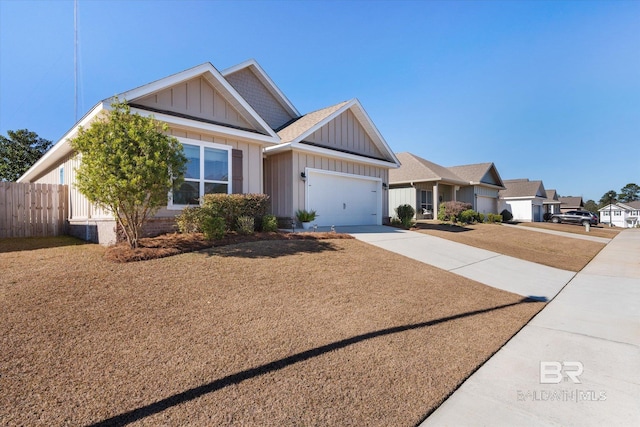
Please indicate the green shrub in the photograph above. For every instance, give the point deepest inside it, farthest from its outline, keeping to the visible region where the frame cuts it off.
(214, 227)
(269, 223)
(468, 216)
(494, 218)
(506, 215)
(304, 215)
(190, 220)
(405, 214)
(450, 211)
(245, 224)
(481, 217)
(232, 206)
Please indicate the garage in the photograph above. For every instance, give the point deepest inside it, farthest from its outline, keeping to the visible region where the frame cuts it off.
(343, 199)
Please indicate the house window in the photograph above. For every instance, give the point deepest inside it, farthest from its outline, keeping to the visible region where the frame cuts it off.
(61, 179)
(617, 213)
(208, 171)
(426, 200)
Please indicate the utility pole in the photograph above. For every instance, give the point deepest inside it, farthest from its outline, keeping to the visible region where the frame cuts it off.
(75, 57)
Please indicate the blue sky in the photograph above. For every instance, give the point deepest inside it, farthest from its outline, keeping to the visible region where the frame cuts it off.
(546, 90)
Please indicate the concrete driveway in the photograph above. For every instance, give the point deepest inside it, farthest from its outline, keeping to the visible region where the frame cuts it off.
(577, 363)
(500, 271)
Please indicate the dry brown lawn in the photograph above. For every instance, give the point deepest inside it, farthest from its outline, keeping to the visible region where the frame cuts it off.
(596, 231)
(295, 332)
(542, 248)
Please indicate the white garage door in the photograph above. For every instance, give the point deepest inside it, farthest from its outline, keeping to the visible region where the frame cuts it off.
(343, 199)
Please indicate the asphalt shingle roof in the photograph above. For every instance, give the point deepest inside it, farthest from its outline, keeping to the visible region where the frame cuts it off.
(306, 122)
(417, 169)
(520, 188)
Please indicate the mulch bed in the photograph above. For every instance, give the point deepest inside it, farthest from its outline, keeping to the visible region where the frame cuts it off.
(175, 243)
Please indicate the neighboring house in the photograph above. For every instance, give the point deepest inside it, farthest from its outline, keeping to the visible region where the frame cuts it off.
(424, 185)
(625, 215)
(484, 184)
(242, 135)
(571, 204)
(552, 202)
(524, 199)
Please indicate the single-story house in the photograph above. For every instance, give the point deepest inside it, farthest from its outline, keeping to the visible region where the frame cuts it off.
(241, 134)
(424, 185)
(552, 202)
(571, 204)
(524, 199)
(483, 188)
(625, 215)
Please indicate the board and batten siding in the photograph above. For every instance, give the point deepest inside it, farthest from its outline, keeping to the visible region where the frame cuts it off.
(278, 181)
(402, 196)
(196, 98)
(345, 133)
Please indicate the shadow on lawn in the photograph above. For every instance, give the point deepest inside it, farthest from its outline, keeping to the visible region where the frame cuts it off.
(16, 244)
(196, 392)
(450, 228)
(273, 248)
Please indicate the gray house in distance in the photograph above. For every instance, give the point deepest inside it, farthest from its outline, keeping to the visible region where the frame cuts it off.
(424, 185)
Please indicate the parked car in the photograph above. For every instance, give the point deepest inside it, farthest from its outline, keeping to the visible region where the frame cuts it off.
(576, 217)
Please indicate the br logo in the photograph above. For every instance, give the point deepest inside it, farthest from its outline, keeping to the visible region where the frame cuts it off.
(555, 372)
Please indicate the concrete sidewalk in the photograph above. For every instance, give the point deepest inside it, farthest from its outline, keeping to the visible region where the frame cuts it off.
(515, 275)
(577, 363)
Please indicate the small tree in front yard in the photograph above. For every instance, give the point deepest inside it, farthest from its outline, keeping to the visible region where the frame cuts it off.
(128, 166)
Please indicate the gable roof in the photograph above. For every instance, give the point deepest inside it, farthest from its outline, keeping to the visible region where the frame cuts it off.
(625, 206)
(571, 202)
(293, 135)
(522, 188)
(417, 169)
(552, 195)
(257, 88)
(479, 174)
(264, 133)
(217, 81)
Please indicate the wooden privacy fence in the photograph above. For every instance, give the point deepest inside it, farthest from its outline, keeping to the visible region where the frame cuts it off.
(29, 210)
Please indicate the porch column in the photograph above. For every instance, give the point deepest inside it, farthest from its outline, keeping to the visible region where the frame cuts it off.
(436, 201)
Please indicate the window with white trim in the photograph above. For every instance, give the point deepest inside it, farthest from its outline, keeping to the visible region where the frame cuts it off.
(208, 171)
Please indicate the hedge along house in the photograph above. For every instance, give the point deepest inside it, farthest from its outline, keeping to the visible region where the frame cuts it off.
(225, 121)
(424, 185)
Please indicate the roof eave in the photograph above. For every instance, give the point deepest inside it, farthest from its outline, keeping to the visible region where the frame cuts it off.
(62, 147)
(211, 128)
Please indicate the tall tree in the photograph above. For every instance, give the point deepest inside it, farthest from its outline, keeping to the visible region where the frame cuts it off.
(629, 193)
(608, 197)
(19, 151)
(128, 166)
(591, 206)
